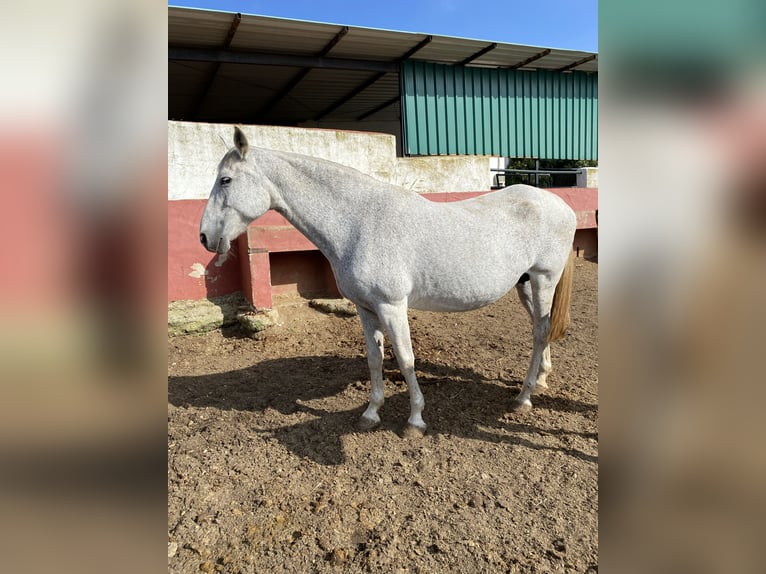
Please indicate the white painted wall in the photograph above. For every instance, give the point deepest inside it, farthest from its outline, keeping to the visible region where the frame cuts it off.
(391, 127)
(588, 177)
(194, 150)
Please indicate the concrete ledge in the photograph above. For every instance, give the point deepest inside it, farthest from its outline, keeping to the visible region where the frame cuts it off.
(255, 322)
(342, 307)
(200, 316)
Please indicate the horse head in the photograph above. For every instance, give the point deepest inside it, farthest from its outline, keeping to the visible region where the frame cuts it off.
(239, 195)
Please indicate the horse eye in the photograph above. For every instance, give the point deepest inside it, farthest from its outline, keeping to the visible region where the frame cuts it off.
(225, 180)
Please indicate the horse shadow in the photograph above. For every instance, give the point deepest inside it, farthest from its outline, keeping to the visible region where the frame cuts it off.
(459, 402)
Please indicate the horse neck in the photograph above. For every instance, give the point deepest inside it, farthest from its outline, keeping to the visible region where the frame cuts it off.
(318, 198)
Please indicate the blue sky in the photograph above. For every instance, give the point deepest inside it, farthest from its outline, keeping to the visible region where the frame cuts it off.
(569, 24)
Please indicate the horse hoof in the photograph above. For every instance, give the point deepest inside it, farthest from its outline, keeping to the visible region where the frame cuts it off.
(521, 406)
(413, 432)
(366, 424)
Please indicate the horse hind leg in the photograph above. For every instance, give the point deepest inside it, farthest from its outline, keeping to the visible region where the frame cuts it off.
(394, 318)
(541, 384)
(373, 336)
(525, 295)
(537, 299)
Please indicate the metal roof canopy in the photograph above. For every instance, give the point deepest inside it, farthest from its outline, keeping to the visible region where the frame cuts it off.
(227, 67)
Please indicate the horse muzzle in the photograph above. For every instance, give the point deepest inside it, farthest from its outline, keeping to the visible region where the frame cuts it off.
(221, 247)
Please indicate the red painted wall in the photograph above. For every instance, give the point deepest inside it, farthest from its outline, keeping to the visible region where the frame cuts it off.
(194, 273)
(192, 270)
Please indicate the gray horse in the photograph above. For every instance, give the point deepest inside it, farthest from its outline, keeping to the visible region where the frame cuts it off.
(391, 249)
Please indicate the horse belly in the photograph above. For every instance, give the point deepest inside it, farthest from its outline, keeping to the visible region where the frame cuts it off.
(461, 293)
(447, 305)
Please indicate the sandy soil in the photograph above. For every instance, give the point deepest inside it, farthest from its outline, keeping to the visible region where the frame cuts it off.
(267, 472)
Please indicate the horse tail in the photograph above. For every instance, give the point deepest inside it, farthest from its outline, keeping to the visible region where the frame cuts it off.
(561, 297)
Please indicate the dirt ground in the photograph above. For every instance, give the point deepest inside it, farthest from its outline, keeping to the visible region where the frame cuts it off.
(267, 472)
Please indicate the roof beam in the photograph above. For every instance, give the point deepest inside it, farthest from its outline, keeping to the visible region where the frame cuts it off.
(370, 81)
(334, 42)
(298, 78)
(416, 48)
(478, 54)
(232, 30)
(577, 63)
(213, 72)
(262, 59)
(531, 59)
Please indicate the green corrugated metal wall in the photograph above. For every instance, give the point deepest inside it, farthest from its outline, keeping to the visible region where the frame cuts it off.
(451, 110)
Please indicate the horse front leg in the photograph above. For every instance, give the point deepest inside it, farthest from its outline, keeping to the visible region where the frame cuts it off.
(373, 337)
(394, 319)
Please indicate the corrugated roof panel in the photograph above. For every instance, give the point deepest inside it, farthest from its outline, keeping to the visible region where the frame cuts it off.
(509, 55)
(197, 27)
(557, 59)
(204, 28)
(449, 50)
(282, 36)
(369, 44)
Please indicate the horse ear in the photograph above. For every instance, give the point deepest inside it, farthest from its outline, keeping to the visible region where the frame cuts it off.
(240, 141)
